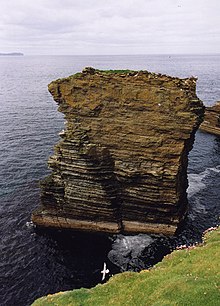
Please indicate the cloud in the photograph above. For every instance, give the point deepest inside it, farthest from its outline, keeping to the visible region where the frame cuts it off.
(97, 26)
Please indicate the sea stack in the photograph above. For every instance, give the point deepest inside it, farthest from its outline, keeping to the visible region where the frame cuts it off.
(211, 123)
(121, 163)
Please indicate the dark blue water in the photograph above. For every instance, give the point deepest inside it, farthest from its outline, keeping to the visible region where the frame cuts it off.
(34, 263)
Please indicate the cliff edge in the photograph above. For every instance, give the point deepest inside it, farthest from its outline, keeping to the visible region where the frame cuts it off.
(121, 165)
(187, 276)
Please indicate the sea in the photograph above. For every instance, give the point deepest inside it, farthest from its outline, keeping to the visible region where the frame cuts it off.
(36, 262)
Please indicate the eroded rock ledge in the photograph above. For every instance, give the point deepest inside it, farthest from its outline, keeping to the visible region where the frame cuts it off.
(121, 165)
(211, 123)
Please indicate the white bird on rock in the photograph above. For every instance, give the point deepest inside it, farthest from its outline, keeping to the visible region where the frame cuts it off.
(104, 271)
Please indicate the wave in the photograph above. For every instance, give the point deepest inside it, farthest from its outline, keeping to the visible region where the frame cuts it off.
(197, 182)
(127, 249)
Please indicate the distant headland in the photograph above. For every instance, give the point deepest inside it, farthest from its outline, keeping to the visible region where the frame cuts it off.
(12, 54)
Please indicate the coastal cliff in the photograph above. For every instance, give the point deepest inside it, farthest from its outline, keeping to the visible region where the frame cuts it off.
(211, 123)
(187, 276)
(121, 165)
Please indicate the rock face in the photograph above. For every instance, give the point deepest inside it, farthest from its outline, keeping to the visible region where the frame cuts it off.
(211, 123)
(121, 165)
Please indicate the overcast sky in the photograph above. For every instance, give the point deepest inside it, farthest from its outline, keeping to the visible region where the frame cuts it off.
(110, 26)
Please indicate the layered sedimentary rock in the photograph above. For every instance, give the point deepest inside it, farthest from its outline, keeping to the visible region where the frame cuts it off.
(121, 165)
(211, 123)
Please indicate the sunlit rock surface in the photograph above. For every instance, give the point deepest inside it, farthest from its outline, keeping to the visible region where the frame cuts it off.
(121, 165)
(211, 123)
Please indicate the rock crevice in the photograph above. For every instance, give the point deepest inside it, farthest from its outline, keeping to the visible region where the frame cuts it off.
(121, 164)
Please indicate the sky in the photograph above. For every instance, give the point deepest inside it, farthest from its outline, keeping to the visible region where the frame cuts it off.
(78, 27)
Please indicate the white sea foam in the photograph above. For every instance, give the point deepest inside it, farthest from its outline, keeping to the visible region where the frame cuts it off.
(132, 244)
(128, 248)
(30, 224)
(197, 181)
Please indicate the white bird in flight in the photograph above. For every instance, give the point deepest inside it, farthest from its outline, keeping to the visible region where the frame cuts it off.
(104, 271)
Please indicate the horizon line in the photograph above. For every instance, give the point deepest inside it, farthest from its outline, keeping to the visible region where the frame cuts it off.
(124, 54)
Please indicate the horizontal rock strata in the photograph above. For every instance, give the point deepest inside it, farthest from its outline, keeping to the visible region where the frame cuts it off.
(211, 123)
(121, 165)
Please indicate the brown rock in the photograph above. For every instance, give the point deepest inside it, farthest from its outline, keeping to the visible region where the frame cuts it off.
(211, 123)
(121, 165)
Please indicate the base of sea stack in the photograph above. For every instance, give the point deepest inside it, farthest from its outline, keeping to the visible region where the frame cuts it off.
(149, 228)
(44, 219)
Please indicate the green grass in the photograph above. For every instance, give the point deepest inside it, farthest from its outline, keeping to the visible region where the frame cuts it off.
(79, 74)
(185, 277)
(116, 71)
(76, 75)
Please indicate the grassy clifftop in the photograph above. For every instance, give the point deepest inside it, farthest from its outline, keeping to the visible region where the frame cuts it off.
(188, 276)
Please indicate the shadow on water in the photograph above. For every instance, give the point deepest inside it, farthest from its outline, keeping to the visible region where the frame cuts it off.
(80, 254)
(217, 146)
